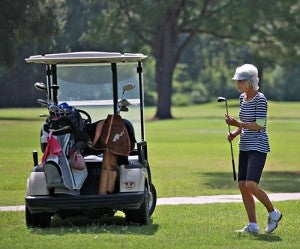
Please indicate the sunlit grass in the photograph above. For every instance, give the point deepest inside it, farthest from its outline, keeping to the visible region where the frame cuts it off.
(189, 155)
(174, 226)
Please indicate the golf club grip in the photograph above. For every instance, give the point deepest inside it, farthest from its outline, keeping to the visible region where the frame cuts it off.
(233, 170)
(232, 162)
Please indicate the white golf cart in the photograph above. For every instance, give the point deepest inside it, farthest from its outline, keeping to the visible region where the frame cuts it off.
(82, 90)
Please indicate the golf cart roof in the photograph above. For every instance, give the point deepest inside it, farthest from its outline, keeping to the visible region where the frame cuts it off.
(87, 57)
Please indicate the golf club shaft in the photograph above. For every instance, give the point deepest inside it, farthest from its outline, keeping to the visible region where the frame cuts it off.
(231, 150)
(232, 161)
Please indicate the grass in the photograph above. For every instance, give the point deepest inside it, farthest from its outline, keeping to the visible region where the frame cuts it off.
(189, 156)
(183, 226)
(194, 147)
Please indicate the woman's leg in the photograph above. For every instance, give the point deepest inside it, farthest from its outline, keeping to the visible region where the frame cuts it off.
(253, 188)
(248, 201)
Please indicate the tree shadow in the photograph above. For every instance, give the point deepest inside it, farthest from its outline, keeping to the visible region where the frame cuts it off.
(20, 119)
(271, 181)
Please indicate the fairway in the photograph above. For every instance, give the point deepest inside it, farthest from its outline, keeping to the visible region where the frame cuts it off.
(189, 156)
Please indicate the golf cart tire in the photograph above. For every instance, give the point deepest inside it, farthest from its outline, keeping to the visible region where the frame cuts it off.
(139, 216)
(41, 220)
(152, 199)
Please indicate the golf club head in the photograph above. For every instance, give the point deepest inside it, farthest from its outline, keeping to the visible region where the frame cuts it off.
(40, 86)
(222, 99)
(128, 87)
(124, 102)
(43, 102)
(54, 108)
(124, 109)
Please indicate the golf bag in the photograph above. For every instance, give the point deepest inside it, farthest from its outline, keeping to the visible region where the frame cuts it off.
(65, 169)
(112, 137)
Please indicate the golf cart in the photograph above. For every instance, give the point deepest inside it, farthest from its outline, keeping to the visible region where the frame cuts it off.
(95, 159)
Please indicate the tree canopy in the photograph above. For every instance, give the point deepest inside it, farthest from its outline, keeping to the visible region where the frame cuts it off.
(195, 44)
(168, 27)
(27, 23)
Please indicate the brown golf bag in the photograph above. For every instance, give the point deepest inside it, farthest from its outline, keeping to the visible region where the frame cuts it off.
(111, 136)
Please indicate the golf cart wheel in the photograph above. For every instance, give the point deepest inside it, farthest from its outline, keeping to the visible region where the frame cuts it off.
(139, 216)
(41, 220)
(152, 199)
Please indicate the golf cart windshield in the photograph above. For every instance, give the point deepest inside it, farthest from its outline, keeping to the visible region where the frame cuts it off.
(99, 83)
(89, 87)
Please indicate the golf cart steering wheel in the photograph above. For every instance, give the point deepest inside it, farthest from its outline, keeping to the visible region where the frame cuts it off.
(87, 119)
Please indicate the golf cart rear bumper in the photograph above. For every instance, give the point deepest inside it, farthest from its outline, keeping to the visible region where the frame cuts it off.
(53, 204)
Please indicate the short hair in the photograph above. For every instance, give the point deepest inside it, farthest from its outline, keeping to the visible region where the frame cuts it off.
(254, 82)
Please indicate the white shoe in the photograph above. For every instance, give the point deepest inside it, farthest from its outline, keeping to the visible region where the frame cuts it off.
(273, 220)
(249, 229)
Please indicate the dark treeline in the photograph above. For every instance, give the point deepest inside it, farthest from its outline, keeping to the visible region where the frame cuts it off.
(193, 46)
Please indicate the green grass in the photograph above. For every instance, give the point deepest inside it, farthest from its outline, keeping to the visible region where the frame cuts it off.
(183, 226)
(189, 156)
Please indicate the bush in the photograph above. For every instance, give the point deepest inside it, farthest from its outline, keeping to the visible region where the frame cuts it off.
(150, 98)
(282, 83)
(199, 94)
(180, 99)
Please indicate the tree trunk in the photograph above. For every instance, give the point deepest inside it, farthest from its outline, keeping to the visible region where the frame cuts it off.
(165, 50)
(163, 74)
(260, 76)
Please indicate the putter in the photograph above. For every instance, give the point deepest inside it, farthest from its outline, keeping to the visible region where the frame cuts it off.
(222, 99)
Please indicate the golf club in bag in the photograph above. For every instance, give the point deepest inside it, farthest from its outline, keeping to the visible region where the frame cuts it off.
(222, 99)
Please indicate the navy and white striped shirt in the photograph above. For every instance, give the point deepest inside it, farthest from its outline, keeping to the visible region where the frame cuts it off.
(250, 111)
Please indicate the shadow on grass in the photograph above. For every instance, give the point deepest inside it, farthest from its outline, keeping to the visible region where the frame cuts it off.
(82, 225)
(261, 237)
(20, 119)
(271, 181)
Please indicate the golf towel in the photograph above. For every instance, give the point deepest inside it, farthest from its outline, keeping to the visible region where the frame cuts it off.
(53, 148)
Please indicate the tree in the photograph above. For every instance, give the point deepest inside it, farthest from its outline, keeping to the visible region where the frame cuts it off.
(76, 19)
(167, 27)
(268, 31)
(27, 22)
(26, 27)
(156, 24)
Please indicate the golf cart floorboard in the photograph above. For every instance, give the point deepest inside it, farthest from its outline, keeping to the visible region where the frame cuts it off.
(120, 201)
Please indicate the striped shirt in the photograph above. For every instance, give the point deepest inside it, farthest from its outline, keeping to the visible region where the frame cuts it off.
(250, 111)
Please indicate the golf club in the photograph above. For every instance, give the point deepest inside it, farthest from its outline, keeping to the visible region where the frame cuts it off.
(40, 86)
(43, 102)
(222, 99)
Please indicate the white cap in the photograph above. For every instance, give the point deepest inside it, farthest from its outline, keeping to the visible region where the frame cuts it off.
(245, 72)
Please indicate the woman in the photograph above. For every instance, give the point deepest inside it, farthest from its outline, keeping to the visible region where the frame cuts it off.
(253, 146)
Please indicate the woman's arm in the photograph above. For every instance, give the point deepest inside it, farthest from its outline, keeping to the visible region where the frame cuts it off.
(250, 126)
